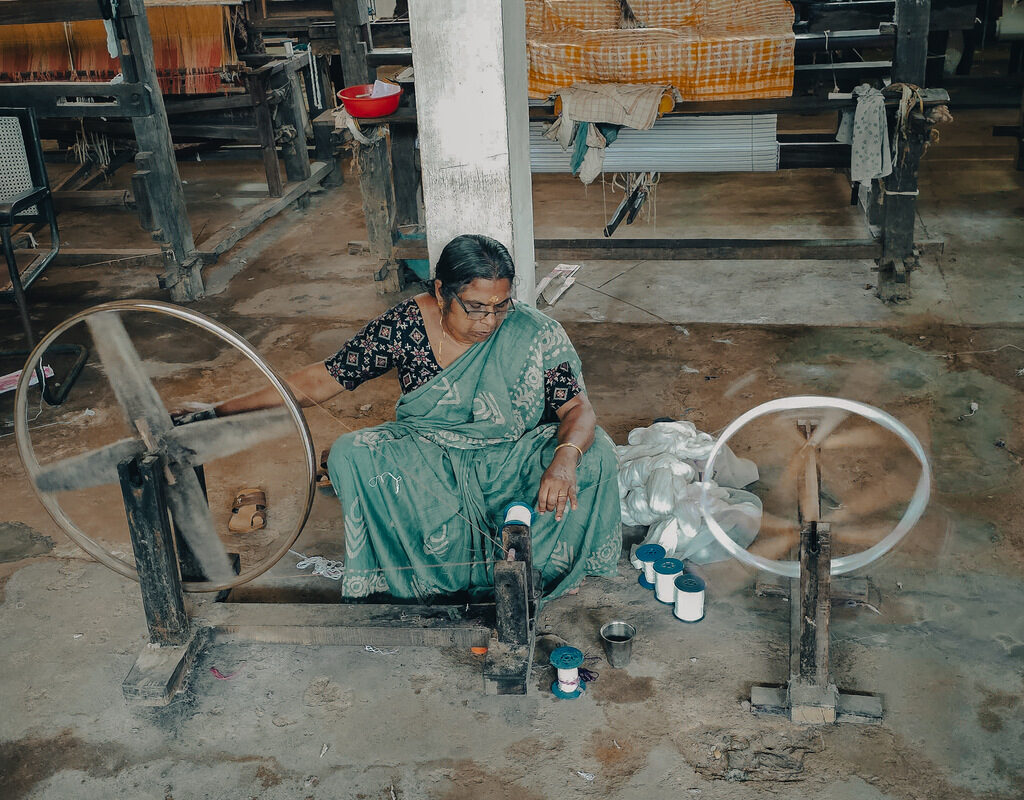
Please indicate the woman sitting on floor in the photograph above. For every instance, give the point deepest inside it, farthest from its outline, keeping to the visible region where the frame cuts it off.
(493, 411)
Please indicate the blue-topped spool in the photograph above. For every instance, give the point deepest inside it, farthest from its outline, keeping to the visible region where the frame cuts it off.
(689, 606)
(665, 572)
(567, 659)
(647, 555)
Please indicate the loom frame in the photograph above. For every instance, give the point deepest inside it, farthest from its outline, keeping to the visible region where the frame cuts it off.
(389, 185)
(138, 110)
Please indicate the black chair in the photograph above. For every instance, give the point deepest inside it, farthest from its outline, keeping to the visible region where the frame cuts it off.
(25, 197)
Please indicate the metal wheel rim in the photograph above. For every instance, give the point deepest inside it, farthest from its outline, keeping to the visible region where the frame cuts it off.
(225, 334)
(791, 569)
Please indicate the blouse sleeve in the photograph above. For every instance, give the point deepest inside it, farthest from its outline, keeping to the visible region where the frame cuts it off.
(369, 354)
(560, 386)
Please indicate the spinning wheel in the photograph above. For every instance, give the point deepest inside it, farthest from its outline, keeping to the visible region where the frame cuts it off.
(836, 410)
(811, 696)
(156, 469)
(179, 449)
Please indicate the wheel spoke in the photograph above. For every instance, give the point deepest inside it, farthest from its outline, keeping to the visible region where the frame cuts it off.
(192, 518)
(96, 468)
(204, 441)
(139, 399)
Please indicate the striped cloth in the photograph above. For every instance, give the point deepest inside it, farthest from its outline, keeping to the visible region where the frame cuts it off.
(707, 49)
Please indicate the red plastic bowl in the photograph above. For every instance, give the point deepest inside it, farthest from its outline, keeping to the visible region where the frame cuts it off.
(368, 107)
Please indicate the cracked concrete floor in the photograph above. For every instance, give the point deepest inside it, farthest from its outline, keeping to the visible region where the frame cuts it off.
(945, 650)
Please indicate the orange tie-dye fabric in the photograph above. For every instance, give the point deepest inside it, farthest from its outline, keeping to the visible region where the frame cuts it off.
(707, 49)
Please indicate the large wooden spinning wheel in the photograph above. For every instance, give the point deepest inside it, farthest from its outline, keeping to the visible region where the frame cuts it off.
(805, 466)
(180, 449)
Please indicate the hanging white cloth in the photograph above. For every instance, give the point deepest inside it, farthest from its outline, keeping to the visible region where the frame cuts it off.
(867, 132)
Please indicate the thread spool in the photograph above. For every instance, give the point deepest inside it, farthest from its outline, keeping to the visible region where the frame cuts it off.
(518, 514)
(647, 555)
(689, 597)
(567, 660)
(665, 572)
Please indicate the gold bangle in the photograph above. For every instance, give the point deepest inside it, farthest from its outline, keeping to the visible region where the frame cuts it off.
(570, 444)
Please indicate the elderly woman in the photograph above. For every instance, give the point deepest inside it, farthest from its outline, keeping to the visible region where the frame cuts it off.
(493, 411)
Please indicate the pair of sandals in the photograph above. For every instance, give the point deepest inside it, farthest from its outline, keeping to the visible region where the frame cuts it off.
(249, 508)
(248, 511)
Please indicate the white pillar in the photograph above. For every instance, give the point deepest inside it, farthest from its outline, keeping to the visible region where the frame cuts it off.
(473, 120)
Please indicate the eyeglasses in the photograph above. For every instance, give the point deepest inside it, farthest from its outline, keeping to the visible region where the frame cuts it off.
(500, 310)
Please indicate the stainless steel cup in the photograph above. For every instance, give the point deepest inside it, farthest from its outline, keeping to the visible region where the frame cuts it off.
(617, 638)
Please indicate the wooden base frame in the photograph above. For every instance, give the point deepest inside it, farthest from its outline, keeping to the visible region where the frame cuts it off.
(180, 627)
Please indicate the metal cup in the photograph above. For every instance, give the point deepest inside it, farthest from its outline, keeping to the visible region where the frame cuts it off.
(617, 638)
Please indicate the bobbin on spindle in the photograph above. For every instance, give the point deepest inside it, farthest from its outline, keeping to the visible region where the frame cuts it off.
(567, 660)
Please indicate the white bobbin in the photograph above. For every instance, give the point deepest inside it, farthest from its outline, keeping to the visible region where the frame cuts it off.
(665, 572)
(689, 598)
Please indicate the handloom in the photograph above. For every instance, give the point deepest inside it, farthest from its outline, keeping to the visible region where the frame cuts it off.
(192, 45)
(121, 96)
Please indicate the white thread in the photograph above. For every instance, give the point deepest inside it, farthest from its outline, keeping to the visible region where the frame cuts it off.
(648, 567)
(993, 350)
(914, 193)
(568, 680)
(689, 605)
(314, 80)
(321, 566)
(665, 585)
(378, 652)
(396, 478)
(519, 513)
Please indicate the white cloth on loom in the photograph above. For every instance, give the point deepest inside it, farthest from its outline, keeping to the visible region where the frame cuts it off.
(634, 106)
(659, 486)
(867, 133)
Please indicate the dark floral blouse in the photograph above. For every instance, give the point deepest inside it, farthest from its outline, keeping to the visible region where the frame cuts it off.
(398, 339)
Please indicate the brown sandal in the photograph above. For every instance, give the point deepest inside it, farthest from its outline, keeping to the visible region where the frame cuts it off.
(248, 511)
(323, 477)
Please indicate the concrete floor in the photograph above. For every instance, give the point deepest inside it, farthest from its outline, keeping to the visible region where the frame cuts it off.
(701, 340)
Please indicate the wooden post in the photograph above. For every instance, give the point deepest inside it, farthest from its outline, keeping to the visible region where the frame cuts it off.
(507, 666)
(1020, 136)
(899, 207)
(256, 85)
(153, 544)
(910, 59)
(292, 125)
(815, 601)
(511, 604)
(899, 212)
(405, 174)
(328, 148)
(379, 208)
(349, 17)
(153, 134)
(513, 587)
(142, 182)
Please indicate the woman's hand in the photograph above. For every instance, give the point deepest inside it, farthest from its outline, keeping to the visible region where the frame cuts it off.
(558, 484)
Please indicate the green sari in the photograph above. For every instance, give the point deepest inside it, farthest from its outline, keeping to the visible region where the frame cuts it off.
(423, 497)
